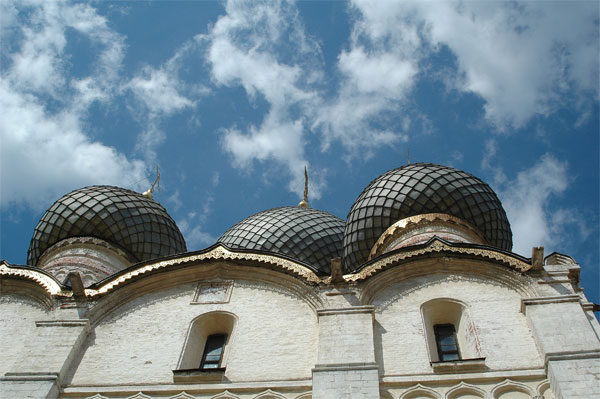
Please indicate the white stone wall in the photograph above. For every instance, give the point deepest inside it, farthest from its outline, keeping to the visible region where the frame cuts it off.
(346, 384)
(505, 339)
(18, 315)
(140, 342)
(578, 378)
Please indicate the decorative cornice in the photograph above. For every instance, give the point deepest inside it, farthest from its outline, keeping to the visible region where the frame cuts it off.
(46, 282)
(218, 253)
(438, 247)
(84, 240)
(413, 222)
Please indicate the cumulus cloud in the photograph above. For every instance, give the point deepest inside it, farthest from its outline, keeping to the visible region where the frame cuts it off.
(246, 47)
(527, 201)
(160, 93)
(519, 57)
(377, 72)
(46, 151)
(192, 227)
(44, 155)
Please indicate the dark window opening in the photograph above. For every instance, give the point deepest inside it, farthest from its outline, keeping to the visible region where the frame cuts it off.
(213, 351)
(447, 346)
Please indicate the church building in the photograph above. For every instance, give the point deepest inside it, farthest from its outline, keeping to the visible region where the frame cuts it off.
(415, 295)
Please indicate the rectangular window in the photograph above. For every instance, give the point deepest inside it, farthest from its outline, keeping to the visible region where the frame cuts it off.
(445, 337)
(213, 351)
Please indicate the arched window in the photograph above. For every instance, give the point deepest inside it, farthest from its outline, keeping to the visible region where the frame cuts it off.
(207, 346)
(450, 334)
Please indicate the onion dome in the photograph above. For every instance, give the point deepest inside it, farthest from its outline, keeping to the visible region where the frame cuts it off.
(121, 217)
(307, 235)
(417, 189)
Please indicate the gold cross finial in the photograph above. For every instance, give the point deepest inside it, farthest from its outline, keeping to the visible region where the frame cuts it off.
(148, 193)
(304, 202)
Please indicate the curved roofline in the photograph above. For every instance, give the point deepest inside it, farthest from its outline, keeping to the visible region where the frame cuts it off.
(440, 247)
(216, 252)
(44, 279)
(219, 252)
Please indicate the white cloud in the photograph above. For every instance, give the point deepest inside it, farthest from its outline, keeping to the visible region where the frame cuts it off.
(377, 73)
(46, 152)
(159, 90)
(43, 156)
(527, 201)
(242, 50)
(521, 58)
(160, 93)
(192, 227)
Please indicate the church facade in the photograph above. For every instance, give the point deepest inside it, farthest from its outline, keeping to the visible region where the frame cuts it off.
(415, 295)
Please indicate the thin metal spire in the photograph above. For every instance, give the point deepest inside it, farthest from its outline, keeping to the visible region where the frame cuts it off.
(304, 202)
(148, 193)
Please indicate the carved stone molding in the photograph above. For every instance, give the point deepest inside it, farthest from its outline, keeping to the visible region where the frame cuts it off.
(420, 228)
(438, 247)
(46, 282)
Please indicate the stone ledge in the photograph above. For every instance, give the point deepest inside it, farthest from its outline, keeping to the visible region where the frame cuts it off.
(30, 376)
(458, 366)
(190, 376)
(545, 300)
(345, 367)
(62, 323)
(485, 375)
(355, 309)
(200, 388)
(572, 355)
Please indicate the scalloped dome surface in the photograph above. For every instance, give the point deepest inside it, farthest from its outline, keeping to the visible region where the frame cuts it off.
(311, 236)
(119, 216)
(417, 189)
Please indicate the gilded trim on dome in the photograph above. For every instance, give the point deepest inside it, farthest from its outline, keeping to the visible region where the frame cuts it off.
(401, 226)
(437, 246)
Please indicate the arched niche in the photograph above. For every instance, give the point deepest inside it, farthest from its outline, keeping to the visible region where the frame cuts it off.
(544, 390)
(203, 326)
(447, 311)
(511, 390)
(465, 391)
(420, 392)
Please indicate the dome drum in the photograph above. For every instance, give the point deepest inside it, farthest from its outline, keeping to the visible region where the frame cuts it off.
(94, 259)
(419, 229)
(127, 220)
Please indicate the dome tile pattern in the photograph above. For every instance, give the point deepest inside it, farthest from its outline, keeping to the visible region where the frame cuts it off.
(308, 235)
(418, 189)
(119, 216)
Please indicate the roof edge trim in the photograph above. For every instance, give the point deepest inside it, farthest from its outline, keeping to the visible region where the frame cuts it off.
(45, 281)
(216, 252)
(438, 246)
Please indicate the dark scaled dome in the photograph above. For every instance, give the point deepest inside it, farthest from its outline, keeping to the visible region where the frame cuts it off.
(418, 189)
(311, 236)
(119, 216)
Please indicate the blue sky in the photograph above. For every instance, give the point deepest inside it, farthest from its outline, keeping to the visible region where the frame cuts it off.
(232, 99)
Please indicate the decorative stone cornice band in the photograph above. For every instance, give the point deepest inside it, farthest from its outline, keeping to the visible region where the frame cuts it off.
(406, 225)
(46, 282)
(217, 253)
(437, 246)
(220, 253)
